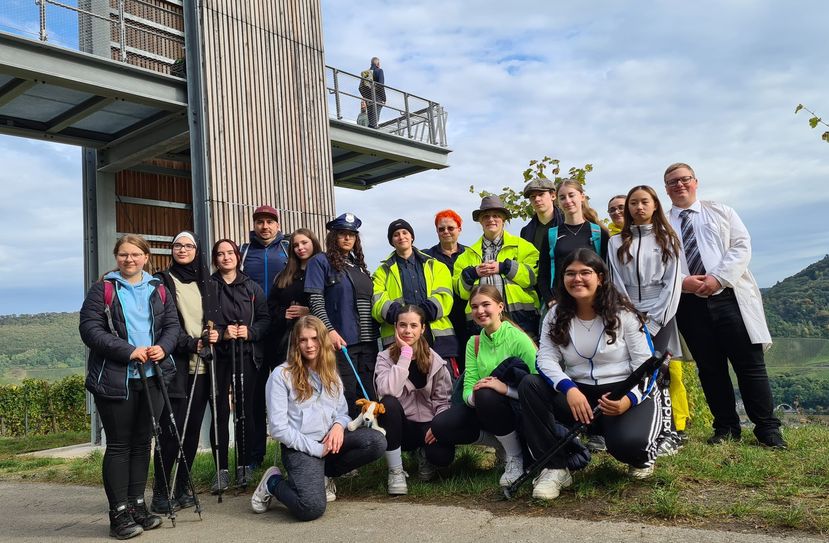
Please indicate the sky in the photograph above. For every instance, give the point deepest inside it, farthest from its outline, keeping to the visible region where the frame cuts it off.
(627, 87)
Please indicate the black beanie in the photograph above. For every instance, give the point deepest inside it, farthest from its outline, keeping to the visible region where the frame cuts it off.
(396, 225)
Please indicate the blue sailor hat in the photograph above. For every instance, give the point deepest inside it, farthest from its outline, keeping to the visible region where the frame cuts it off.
(346, 221)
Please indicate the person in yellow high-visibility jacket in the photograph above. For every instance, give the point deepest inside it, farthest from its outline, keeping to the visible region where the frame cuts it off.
(410, 276)
(507, 262)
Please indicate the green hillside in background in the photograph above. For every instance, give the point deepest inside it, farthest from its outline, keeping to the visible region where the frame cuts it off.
(798, 306)
(43, 346)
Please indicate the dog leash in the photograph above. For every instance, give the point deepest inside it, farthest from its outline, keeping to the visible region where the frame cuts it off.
(359, 381)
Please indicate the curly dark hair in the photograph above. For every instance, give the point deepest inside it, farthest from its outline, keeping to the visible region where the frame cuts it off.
(608, 303)
(337, 258)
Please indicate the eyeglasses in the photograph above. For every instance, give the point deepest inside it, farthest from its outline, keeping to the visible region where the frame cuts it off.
(185, 246)
(583, 274)
(126, 256)
(617, 209)
(446, 228)
(685, 180)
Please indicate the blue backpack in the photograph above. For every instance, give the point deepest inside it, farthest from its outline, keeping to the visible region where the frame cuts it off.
(552, 234)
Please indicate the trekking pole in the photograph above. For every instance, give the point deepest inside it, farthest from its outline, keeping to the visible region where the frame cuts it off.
(233, 369)
(647, 367)
(243, 444)
(181, 459)
(190, 398)
(215, 410)
(157, 438)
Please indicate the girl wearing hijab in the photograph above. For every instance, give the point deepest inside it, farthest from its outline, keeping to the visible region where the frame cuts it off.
(186, 280)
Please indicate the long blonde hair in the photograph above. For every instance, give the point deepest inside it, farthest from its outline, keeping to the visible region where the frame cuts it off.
(587, 212)
(326, 361)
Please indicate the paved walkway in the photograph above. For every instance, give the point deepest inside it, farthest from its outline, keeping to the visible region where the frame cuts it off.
(39, 512)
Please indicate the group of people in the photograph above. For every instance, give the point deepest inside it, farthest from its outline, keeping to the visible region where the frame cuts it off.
(504, 342)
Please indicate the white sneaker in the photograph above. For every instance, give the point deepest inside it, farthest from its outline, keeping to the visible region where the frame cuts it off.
(260, 501)
(513, 470)
(397, 482)
(548, 484)
(640, 473)
(330, 489)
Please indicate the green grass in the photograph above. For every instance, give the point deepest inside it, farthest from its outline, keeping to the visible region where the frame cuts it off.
(736, 485)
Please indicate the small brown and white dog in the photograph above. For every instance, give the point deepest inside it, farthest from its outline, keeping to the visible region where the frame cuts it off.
(368, 416)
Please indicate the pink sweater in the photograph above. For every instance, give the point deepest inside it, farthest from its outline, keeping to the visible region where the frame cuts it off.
(419, 405)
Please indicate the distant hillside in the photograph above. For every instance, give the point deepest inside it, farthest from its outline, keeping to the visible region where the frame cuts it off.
(44, 346)
(798, 306)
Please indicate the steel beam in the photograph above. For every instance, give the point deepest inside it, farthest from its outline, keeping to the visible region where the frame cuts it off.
(77, 113)
(13, 89)
(149, 143)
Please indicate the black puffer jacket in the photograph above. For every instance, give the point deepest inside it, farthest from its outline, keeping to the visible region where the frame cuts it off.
(109, 355)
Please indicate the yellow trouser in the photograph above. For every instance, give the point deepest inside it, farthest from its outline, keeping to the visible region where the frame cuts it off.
(679, 398)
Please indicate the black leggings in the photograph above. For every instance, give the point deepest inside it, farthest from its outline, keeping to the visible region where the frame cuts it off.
(461, 424)
(410, 435)
(200, 400)
(631, 437)
(129, 430)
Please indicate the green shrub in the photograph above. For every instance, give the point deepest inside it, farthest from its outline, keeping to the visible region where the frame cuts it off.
(37, 407)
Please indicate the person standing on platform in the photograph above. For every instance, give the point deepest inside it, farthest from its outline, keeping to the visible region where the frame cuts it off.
(340, 289)
(448, 225)
(541, 193)
(720, 311)
(411, 277)
(372, 89)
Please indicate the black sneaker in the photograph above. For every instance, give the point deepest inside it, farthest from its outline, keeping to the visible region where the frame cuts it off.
(773, 441)
(720, 437)
(121, 523)
(185, 499)
(161, 505)
(142, 517)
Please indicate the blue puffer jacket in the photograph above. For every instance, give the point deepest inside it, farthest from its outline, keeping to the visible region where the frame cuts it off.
(263, 264)
(109, 355)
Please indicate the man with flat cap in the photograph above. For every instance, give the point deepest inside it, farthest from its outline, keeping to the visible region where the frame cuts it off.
(410, 276)
(541, 192)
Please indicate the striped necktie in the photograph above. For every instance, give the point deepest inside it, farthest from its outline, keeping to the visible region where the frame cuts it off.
(689, 243)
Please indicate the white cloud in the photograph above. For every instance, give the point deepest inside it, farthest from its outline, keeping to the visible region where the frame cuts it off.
(628, 87)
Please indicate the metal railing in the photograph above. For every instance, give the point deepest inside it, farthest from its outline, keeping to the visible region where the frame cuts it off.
(146, 33)
(384, 108)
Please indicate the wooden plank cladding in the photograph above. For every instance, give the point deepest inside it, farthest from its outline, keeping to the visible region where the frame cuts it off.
(267, 122)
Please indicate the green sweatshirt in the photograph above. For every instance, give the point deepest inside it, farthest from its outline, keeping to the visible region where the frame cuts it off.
(507, 341)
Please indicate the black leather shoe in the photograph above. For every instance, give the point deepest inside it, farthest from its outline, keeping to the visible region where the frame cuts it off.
(185, 500)
(161, 505)
(773, 441)
(722, 437)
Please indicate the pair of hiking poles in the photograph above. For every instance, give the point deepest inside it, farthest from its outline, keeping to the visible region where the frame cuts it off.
(239, 421)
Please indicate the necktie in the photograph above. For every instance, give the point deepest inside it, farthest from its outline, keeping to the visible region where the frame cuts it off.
(689, 243)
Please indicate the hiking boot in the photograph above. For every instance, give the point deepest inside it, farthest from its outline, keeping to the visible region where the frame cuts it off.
(121, 523)
(640, 473)
(397, 482)
(722, 436)
(596, 443)
(548, 484)
(425, 469)
(513, 469)
(220, 481)
(142, 517)
(330, 489)
(243, 475)
(162, 505)
(260, 501)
